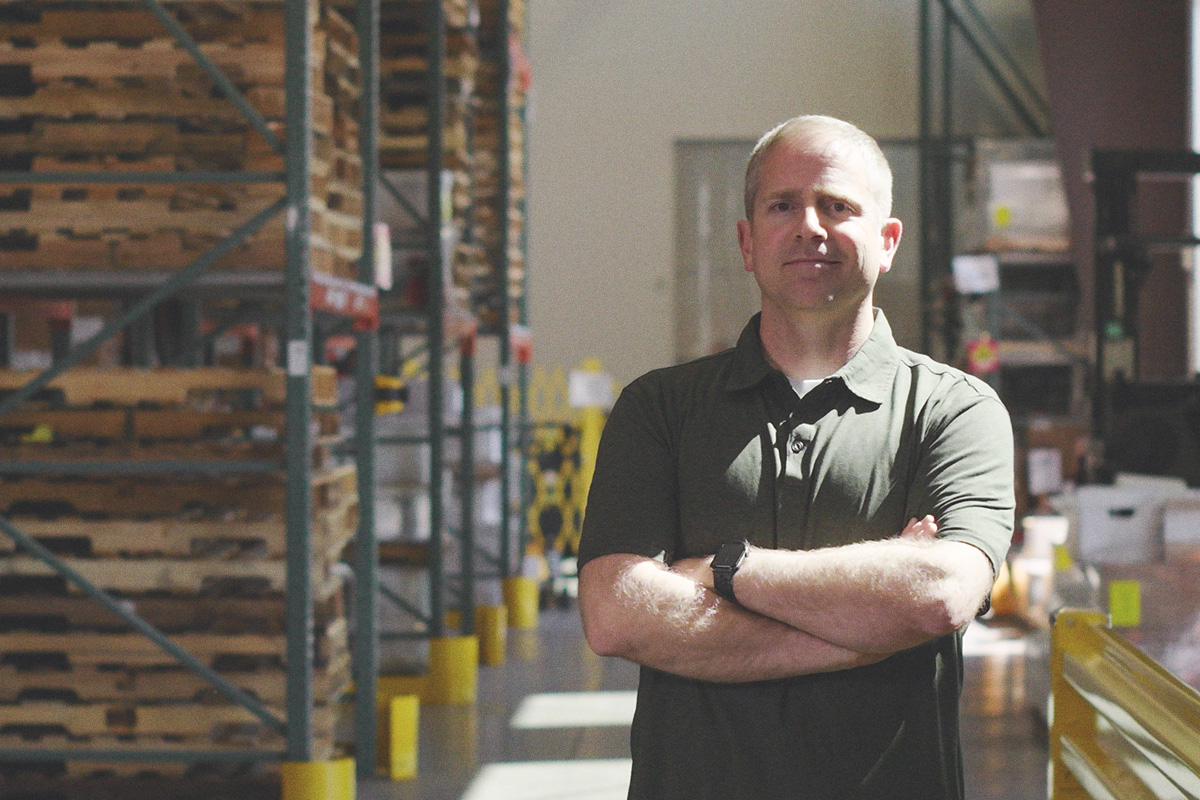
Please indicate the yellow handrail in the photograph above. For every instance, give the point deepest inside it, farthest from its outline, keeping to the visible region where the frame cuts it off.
(1123, 728)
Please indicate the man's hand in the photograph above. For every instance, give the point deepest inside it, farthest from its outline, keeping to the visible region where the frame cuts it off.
(920, 530)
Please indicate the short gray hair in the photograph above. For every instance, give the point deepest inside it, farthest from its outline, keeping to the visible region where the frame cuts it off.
(843, 133)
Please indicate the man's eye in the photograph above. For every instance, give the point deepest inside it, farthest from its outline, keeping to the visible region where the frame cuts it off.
(838, 207)
(781, 205)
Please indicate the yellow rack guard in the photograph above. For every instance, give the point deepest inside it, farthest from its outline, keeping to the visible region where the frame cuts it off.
(1122, 727)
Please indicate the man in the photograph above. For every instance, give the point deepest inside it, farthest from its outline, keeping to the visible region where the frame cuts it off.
(857, 497)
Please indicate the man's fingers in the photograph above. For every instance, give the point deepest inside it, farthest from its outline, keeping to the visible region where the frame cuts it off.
(924, 528)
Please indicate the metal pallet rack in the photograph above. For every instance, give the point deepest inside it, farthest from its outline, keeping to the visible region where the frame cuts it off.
(942, 23)
(429, 325)
(302, 294)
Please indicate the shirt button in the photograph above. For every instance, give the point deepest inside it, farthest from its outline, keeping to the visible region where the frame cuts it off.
(797, 446)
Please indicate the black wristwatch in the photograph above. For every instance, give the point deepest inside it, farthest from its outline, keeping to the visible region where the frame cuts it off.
(724, 564)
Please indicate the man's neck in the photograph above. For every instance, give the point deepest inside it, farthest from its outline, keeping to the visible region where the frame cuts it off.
(810, 345)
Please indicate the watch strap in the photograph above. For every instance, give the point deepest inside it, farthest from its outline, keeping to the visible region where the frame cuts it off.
(725, 565)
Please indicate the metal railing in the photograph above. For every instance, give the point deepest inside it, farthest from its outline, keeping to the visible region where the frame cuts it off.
(1122, 727)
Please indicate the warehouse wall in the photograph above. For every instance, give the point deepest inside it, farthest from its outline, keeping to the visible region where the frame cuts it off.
(617, 82)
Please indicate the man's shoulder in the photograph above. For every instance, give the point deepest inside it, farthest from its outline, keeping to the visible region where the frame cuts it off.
(706, 372)
(942, 379)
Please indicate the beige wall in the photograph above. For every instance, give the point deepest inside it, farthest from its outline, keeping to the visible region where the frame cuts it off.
(616, 82)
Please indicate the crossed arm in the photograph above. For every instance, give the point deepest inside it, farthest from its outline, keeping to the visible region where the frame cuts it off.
(799, 612)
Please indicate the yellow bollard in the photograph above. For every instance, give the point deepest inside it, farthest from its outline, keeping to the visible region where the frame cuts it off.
(491, 625)
(521, 600)
(318, 780)
(399, 723)
(453, 671)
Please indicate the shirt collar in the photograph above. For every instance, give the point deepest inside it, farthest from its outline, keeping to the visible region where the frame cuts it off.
(868, 374)
(750, 364)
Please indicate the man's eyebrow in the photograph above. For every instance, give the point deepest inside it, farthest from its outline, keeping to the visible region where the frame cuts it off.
(782, 194)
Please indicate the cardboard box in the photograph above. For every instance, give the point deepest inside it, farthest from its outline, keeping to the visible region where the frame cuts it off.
(1118, 525)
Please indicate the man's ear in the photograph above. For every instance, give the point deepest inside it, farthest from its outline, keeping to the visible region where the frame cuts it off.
(745, 244)
(892, 228)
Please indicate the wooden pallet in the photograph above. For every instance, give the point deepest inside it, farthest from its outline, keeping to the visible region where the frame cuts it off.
(65, 100)
(176, 197)
(196, 576)
(169, 613)
(150, 497)
(238, 148)
(150, 453)
(91, 684)
(139, 214)
(82, 23)
(83, 648)
(137, 451)
(157, 59)
(188, 720)
(99, 241)
(170, 386)
(161, 251)
(158, 424)
(228, 538)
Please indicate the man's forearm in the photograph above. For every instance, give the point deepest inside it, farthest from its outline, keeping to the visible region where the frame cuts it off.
(640, 610)
(869, 597)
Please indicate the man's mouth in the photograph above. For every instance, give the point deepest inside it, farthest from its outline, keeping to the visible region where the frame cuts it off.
(814, 262)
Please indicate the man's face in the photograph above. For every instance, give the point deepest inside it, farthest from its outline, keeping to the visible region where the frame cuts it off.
(816, 241)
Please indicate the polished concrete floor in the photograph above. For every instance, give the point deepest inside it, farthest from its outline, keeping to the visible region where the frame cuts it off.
(552, 723)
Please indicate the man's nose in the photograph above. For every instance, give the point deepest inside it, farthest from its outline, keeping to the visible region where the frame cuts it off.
(810, 226)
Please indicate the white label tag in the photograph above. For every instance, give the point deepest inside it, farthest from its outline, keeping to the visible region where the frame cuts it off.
(297, 358)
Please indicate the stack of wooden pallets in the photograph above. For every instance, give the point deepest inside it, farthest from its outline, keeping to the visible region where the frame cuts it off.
(105, 87)
(405, 115)
(491, 214)
(200, 557)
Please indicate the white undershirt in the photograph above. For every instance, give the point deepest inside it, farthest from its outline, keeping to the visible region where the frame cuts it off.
(805, 386)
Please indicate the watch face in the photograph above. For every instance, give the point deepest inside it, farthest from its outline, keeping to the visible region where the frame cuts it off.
(729, 556)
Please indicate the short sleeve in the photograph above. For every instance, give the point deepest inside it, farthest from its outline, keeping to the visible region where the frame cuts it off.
(631, 505)
(964, 477)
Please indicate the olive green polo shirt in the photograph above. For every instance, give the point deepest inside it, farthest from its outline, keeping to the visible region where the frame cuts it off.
(721, 449)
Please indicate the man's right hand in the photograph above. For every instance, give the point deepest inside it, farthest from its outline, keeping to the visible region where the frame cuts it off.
(920, 530)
